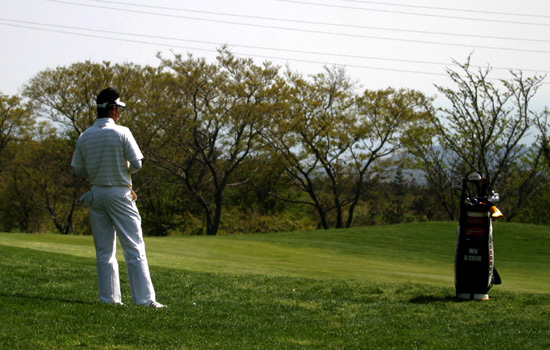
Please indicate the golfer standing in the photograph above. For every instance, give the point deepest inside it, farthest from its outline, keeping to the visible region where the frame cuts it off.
(106, 154)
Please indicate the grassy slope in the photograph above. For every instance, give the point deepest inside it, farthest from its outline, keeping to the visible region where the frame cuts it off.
(357, 296)
(420, 252)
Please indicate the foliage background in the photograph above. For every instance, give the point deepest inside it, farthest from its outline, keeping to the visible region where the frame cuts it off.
(235, 147)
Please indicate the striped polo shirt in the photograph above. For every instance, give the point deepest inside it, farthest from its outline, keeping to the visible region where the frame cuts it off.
(104, 150)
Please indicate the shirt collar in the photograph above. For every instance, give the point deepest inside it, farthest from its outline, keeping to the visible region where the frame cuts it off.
(104, 122)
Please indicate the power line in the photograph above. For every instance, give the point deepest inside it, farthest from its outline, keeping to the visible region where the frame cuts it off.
(414, 14)
(321, 23)
(308, 30)
(210, 50)
(218, 43)
(26, 23)
(449, 9)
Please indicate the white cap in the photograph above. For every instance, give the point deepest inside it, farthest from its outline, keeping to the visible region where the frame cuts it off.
(117, 102)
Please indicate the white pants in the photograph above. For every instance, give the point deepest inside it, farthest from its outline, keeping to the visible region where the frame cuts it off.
(113, 213)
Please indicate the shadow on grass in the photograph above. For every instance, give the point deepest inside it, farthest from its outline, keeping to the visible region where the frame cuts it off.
(428, 299)
(36, 297)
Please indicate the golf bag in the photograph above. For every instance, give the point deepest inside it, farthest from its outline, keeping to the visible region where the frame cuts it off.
(475, 271)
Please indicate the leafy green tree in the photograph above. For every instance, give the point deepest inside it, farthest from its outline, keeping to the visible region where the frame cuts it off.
(386, 120)
(542, 123)
(66, 95)
(16, 128)
(483, 130)
(212, 125)
(439, 165)
(312, 136)
(15, 122)
(19, 210)
(56, 191)
(335, 143)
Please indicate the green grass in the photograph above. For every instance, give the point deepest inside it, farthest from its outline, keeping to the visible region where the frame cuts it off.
(386, 287)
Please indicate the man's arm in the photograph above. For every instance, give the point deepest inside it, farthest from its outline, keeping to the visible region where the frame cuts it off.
(135, 166)
(81, 172)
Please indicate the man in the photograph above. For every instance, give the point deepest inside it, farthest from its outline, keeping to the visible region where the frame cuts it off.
(106, 154)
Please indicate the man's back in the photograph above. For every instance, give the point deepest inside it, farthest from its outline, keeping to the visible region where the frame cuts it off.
(104, 149)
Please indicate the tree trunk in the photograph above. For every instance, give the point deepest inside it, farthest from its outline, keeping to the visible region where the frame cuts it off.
(323, 218)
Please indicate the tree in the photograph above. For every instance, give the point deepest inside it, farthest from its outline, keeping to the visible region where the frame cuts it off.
(15, 121)
(335, 143)
(65, 97)
(542, 124)
(312, 136)
(16, 128)
(386, 120)
(55, 189)
(482, 131)
(212, 125)
(18, 207)
(438, 165)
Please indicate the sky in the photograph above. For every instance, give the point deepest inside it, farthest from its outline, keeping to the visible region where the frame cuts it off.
(397, 43)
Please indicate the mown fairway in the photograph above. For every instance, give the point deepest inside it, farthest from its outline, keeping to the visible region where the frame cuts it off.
(386, 287)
